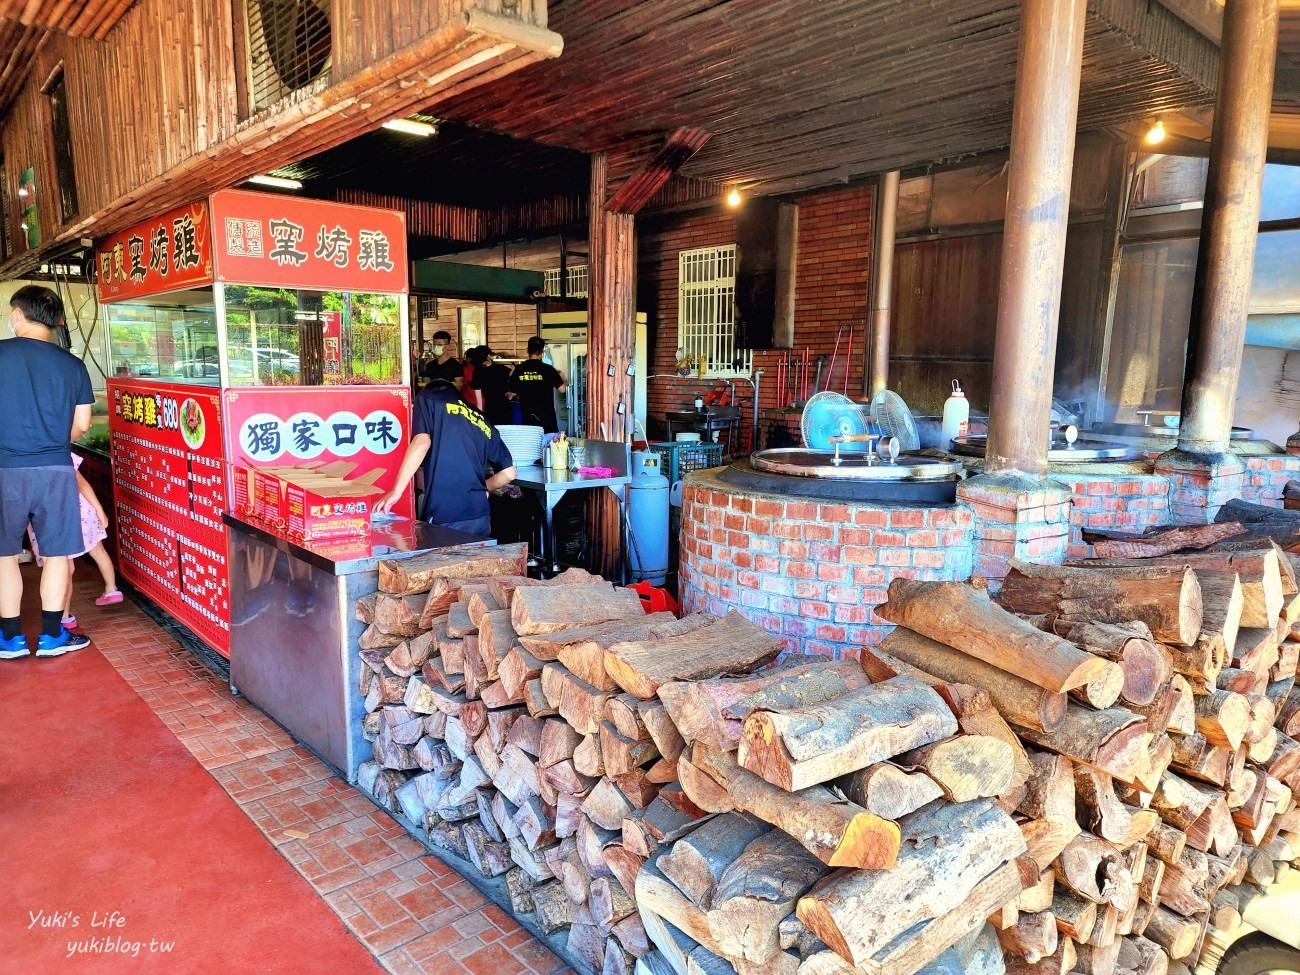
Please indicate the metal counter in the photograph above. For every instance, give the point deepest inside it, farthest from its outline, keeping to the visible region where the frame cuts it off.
(293, 627)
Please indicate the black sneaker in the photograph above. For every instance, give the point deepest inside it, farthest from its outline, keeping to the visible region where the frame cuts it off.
(65, 642)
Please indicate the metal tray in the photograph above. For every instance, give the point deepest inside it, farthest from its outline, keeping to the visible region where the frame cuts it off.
(1085, 449)
(855, 466)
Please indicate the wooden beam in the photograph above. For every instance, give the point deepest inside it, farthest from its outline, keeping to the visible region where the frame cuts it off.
(633, 195)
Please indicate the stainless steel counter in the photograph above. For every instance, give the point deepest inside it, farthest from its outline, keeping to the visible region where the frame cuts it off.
(293, 628)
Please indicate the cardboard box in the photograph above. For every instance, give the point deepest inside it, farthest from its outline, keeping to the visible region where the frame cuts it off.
(269, 484)
(328, 508)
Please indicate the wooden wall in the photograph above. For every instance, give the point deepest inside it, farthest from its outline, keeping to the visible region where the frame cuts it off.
(159, 97)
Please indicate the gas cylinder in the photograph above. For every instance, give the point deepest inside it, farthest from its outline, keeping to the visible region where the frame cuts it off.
(647, 519)
(956, 417)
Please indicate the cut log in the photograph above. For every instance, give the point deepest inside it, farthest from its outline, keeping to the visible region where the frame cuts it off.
(1107, 740)
(696, 862)
(624, 754)
(966, 767)
(490, 857)
(409, 655)
(547, 646)
(1222, 717)
(889, 791)
(962, 616)
(1126, 545)
(1050, 791)
(372, 639)
(416, 574)
(730, 645)
(702, 789)
(587, 758)
(1101, 811)
(1176, 934)
(1019, 701)
(663, 732)
(580, 704)
(1147, 667)
(755, 891)
(838, 833)
(398, 615)
(1075, 916)
(1033, 937)
(1167, 600)
(517, 668)
(1222, 601)
(800, 747)
(950, 850)
(546, 609)
(606, 806)
(702, 709)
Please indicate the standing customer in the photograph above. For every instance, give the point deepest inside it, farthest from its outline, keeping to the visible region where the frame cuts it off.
(45, 399)
(492, 380)
(535, 383)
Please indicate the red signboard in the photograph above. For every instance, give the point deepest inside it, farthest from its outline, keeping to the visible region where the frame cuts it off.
(289, 242)
(284, 426)
(169, 487)
(168, 253)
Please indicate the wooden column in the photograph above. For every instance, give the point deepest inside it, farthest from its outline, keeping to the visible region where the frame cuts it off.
(611, 337)
(1033, 249)
(882, 285)
(1229, 224)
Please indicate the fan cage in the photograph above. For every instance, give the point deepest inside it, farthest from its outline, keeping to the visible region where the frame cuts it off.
(289, 47)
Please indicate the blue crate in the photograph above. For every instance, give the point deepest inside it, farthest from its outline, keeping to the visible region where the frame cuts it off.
(679, 459)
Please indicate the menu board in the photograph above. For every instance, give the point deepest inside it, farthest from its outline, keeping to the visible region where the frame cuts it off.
(366, 426)
(169, 489)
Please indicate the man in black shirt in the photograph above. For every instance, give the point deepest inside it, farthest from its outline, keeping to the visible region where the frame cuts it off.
(535, 383)
(444, 365)
(453, 444)
(492, 380)
(45, 399)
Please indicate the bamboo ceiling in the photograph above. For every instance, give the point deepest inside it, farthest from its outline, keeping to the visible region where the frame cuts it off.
(25, 26)
(805, 92)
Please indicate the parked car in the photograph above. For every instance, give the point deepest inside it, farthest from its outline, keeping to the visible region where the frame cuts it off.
(1273, 947)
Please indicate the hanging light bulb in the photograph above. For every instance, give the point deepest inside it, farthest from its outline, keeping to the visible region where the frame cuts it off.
(1156, 134)
(733, 198)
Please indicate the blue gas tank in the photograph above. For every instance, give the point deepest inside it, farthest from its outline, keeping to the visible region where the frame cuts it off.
(647, 519)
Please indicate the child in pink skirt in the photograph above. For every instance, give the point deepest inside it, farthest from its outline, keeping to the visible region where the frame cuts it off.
(93, 523)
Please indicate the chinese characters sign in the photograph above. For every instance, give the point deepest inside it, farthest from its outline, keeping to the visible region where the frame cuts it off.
(168, 253)
(290, 242)
(367, 426)
(169, 486)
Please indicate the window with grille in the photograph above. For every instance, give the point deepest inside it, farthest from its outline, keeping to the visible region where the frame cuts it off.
(63, 168)
(706, 308)
(288, 44)
(577, 275)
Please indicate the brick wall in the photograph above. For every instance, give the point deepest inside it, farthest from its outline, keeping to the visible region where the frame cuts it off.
(832, 278)
(1266, 476)
(1123, 502)
(811, 571)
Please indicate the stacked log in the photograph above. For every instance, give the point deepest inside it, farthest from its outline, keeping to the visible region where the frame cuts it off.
(1087, 775)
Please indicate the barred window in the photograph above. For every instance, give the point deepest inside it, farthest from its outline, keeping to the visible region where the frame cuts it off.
(577, 274)
(706, 308)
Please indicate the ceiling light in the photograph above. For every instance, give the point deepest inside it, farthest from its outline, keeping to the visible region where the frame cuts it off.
(733, 198)
(411, 127)
(1156, 134)
(22, 191)
(279, 182)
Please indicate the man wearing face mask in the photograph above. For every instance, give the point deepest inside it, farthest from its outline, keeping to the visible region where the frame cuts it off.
(45, 398)
(444, 365)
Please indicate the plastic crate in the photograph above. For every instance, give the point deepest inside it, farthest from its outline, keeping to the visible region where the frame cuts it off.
(679, 459)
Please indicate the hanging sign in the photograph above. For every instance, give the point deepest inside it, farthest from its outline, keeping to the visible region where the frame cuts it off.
(171, 252)
(288, 426)
(169, 489)
(289, 242)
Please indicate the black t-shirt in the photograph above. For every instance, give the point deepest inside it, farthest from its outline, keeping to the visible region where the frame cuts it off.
(494, 382)
(451, 370)
(535, 382)
(455, 469)
(41, 385)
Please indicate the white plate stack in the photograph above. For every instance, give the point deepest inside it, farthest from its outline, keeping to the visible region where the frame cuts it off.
(523, 442)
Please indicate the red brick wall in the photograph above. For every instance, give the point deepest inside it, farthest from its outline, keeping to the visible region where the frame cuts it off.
(832, 278)
(1130, 503)
(1266, 477)
(809, 571)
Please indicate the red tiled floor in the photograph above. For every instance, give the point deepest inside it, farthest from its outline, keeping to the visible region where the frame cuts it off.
(407, 907)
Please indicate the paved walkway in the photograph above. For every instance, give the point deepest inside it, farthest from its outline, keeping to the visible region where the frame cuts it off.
(410, 910)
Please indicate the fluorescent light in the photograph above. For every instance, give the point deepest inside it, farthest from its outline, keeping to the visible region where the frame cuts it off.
(411, 127)
(279, 182)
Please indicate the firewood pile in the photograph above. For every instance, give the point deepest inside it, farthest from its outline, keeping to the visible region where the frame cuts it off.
(1100, 763)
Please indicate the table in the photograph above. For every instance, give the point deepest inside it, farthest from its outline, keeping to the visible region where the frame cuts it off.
(551, 485)
(293, 626)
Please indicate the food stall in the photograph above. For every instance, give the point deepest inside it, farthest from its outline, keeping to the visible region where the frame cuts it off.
(256, 331)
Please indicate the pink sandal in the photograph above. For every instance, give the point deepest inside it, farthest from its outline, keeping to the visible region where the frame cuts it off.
(109, 598)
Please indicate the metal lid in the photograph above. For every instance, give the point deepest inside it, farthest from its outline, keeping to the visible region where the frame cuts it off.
(1161, 431)
(801, 462)
(1083, 450)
